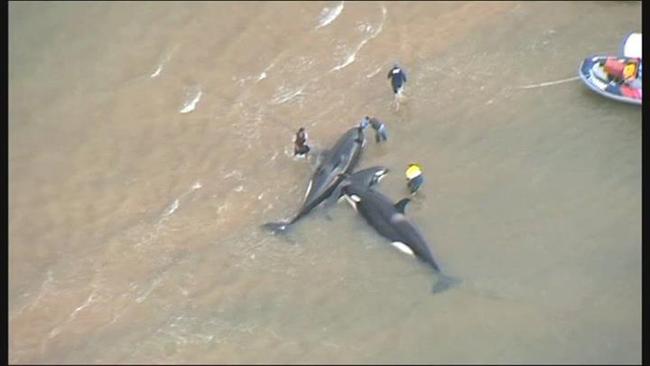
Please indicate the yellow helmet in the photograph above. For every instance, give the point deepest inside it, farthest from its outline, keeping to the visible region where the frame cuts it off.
(413, 171)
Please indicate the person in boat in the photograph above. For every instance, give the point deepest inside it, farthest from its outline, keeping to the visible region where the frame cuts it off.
(414, 178)
(300, 147)
(621, 71)
(634, 80)
(397, 79)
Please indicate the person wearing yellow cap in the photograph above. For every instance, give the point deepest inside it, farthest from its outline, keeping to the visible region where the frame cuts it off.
(414, 177)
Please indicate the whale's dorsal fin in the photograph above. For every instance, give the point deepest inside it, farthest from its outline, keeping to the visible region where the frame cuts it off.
(401, 205)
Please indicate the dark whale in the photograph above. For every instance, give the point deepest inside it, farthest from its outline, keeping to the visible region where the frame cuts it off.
(366, 177)
(336, 163)
(389, 220)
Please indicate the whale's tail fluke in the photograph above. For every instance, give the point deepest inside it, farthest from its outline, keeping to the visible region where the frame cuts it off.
(277, 227)
(444, 282)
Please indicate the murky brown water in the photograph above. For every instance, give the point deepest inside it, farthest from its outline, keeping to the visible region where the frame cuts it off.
(134, 228)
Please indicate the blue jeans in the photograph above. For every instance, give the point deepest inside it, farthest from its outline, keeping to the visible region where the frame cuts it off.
(381, 134)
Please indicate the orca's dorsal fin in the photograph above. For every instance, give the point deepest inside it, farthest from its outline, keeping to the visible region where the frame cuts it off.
(401, 205)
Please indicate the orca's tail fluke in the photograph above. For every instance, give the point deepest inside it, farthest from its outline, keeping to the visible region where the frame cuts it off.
(444, 283)
(277, 227)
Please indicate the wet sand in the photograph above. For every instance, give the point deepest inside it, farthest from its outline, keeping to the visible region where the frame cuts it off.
(149, 141)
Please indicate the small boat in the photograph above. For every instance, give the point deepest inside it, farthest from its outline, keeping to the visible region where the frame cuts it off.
(605, 75)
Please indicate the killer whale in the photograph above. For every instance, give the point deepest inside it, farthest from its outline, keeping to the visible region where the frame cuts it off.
(335, 164)
(389, 220)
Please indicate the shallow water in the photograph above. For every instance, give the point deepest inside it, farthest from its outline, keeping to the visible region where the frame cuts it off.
(149, 141)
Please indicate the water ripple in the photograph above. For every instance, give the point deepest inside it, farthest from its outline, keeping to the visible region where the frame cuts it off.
(351, 57)
(190, 104)
(329, 15)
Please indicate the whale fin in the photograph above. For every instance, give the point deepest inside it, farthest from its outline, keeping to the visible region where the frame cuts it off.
(277, 227)
(336, 195)
(401, 205)
(444, 282)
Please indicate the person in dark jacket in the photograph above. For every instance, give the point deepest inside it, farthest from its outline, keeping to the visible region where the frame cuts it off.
(300, 143)
(397, 79)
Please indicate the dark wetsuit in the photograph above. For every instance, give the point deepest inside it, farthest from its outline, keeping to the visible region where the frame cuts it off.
(397, 78)
(301, 147)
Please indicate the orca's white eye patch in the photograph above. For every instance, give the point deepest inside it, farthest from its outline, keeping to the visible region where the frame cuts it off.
(355, 198)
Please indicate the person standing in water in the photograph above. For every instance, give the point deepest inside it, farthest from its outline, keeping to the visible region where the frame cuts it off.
(397, 79)
(414, 178)
(300, 147)
(381, 134)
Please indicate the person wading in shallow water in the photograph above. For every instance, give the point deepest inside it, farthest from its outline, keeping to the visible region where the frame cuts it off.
(381, 134)
(300, 147)
(397, 78)
(380, 130)
(414, 178)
